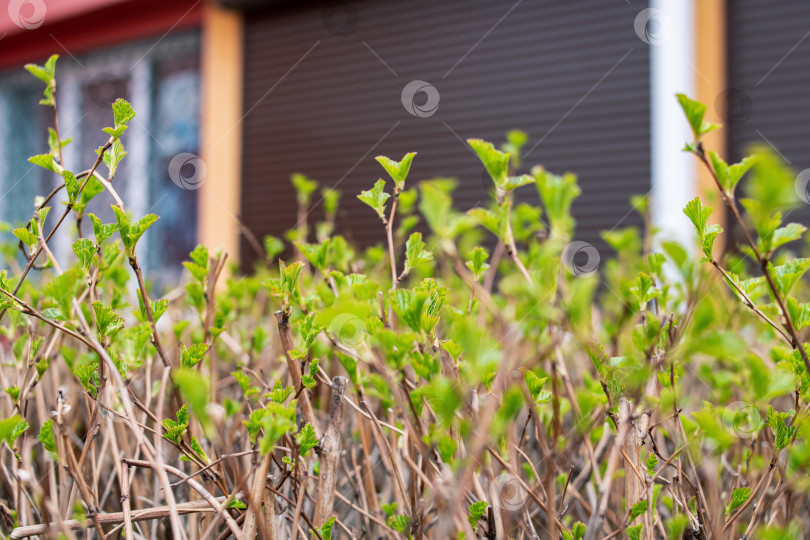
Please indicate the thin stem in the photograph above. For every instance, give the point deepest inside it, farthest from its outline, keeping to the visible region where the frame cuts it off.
(389, 226)
(761, 259)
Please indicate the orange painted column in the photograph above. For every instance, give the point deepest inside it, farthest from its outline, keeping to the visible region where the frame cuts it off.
(710, 85)
(221, 137)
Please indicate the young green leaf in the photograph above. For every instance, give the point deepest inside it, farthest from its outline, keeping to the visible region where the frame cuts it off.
(399, 522)
(515, 140)
(102, 231)
(495, 161)
(122, 114)
(47, 74)
(194, 389)
(783, 430)
(47, 438)
(190, 357)
(306, 439)
(85, 251)
(514, 182)
(738, 498)
(477, 510)
(45, 161)
(634, 532)
(415, 253)
(695, 111)
(107, 322)
(376, 198)
(476, 262)
(326, 529)
(638, 509)
(176, 428)
(304, 187)
(730, 175)
(397, 170)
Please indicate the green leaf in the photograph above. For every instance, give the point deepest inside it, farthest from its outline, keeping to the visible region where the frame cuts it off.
(159, 307)
(279, 394)
(40, 72)
(578, 529)
(198, 450)
(495, 161)
(476, 262)
(235, 503)
(738, 498)
(557, 194)
(304, 187)
(132, 232)
(122, 112)
(694, 111)
(638, 509)
(276, 422)
(415, 253)
(85, 251)
(47, 438)
(107, 322)
(652, 461)
(783, 235)
(786, 275)
(47, 74)
(730, 175)
(397, 170)
(310, 328)
(644, 290)
(477, 510)
(102, 231)
(783, 431)
(325, 530)
(772, 183)
(176, 429)
(376, 198)
(14, 393)
(488, 219)
(72, 185)
(190, 357)
(91, 189)
(194, 389)
(306, 439)
(514, 182)
(535, 385)
(113, 156)
(515, 140)
(11, 428)
(55, 144)
(273, 246)
(316, 254)
(399, 522)
(389, 509)
(634, 532)
(698, 214)
(45, 161)
(26, 236)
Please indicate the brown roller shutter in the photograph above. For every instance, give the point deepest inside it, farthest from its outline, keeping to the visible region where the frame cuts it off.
(769, 77)
(320, 99)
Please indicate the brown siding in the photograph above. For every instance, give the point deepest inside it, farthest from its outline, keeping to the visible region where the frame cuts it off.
(329, 115)
(769, 77)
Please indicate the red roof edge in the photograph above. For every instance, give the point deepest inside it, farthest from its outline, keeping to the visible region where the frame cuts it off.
(110, 25)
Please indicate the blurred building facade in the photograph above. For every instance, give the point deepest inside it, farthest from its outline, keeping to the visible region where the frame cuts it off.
(261, 89)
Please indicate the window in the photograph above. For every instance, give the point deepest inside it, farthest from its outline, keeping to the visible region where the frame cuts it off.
(161, 78)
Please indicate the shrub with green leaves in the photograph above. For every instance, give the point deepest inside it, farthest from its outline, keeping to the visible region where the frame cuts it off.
(466, 377)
